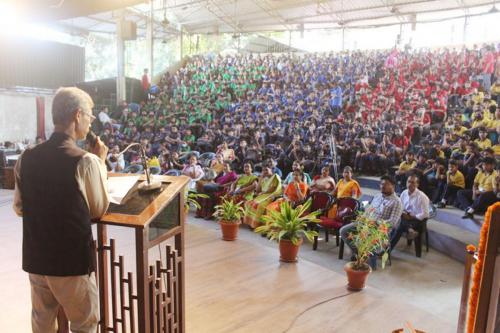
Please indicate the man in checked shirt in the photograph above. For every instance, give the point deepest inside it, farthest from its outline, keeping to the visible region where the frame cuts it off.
(387, 207)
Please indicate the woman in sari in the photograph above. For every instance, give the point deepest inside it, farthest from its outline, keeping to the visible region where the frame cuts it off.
(268, 188)
(216, 169)
(226, 152)
(214, 190)
(346, 188)
(297, 166)
(323, 182)
(217, 164)
(295, 192)
(243, 189)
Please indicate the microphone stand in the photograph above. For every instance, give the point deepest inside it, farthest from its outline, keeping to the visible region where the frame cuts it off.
(333, 154)
(148, 185)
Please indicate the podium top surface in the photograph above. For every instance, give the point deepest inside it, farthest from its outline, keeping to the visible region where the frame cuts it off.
(141, 208)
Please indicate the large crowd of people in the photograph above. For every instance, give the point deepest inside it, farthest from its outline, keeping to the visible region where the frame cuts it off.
(261, 128)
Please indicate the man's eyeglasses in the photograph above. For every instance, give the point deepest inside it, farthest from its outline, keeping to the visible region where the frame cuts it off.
(90, 115)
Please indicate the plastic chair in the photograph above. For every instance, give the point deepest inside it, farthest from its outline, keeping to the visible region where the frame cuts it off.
(422, 231)
(346, 211)
(206, 158)
(173, 172)
(321, 201)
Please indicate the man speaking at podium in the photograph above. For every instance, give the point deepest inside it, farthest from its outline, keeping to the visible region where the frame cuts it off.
(59, 189)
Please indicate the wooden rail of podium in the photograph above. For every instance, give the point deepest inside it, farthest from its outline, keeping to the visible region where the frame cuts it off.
(485, 319)
(153, 300)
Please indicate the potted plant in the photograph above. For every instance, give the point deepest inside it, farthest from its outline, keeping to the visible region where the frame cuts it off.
(191, 200)
(287, 226)
(229, 214)
(370, 239)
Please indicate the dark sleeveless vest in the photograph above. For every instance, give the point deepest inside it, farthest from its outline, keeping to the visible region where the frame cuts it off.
(57, 234)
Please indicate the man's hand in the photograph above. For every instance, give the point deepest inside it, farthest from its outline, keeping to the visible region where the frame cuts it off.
(406, 216)
(100, 149)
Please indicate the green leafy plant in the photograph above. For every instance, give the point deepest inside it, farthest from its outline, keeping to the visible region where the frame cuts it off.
(371, 237)
(289, 223)
(191, 199)
(229, 211)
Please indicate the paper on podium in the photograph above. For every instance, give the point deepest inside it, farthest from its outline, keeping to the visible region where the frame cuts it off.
(118, 187)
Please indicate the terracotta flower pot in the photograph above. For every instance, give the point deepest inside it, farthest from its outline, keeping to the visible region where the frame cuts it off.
(356, 278)
(288, 251)
(229, 230)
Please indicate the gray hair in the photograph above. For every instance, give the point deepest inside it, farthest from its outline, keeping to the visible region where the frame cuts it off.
(66, 101)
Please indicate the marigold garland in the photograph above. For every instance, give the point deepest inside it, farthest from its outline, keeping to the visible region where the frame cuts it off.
(471, 248)
(478, 267)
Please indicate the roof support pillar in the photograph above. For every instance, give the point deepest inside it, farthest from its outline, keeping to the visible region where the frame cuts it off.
(289, 42)
(343, 38)
(181, 51)
(464, 35)
(120, 61)
(150, 40)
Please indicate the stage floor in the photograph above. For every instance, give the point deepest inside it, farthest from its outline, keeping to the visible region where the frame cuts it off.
(241, 287)
(236, 287)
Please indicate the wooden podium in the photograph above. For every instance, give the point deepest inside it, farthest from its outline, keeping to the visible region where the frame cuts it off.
(153, 301)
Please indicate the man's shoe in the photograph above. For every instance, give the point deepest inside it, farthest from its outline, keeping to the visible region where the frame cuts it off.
(411, 234)
(468, 216)
(441, 205)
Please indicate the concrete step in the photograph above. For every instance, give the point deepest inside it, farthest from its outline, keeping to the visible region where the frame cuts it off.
(449, 239)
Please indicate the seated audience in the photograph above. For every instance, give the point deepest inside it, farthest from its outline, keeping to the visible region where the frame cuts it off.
(296, 166)
(387, 207)
(483, 193)
(170, 161)
(446, 191)
(404, 170)
(268, 189)
(215, 189)
(309, 110)
(217, 164)
(323, 182)
(415, 210)
(116, 161)
(243, 188)
(347, 186)
(226, 152)
(295, 192)
(193, 170)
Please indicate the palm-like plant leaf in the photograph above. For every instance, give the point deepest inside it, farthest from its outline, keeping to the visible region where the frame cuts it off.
(289, 223)
(370, 238)
(229, 211)
(191, 199)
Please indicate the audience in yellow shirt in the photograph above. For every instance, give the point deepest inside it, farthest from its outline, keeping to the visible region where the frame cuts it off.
(484, 191)
(447, 190)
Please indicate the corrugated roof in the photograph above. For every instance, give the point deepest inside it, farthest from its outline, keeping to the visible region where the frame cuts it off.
(249, 16)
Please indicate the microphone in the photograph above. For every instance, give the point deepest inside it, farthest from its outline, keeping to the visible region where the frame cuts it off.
(148, 185)
(91, 140)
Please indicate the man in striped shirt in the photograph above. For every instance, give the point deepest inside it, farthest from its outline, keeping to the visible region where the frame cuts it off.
(387, 207)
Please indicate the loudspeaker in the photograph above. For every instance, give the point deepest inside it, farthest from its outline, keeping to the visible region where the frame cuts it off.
(128, 29)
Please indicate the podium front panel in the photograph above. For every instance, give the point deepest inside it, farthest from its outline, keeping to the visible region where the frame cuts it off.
(166, 220)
